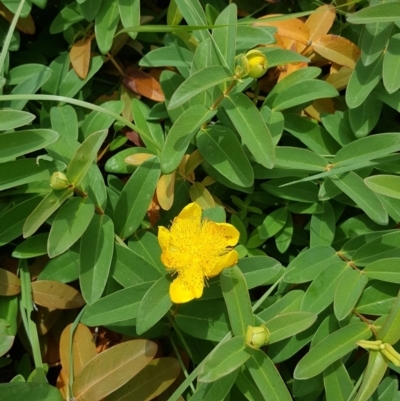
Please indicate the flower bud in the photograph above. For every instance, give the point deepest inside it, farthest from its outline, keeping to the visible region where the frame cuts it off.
(59, 180)
(256, 337)
(258, 63)
(242, 66)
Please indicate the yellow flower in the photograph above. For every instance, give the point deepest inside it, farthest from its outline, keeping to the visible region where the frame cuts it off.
(195, 250)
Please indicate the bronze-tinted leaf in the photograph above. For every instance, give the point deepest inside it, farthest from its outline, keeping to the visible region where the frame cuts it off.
(83, 348)
(138, 158)
(142, 83)
(340, 79)
(156, 377)
(80, 57)
(320, 21)
(337, 49)
(45, 319)
(9, 283)
(200, 194)
(54, 294)
(111, 369)
(25, 25)
(291, 28)
(165, 190)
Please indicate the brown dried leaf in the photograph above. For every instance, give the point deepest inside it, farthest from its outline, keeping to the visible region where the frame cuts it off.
(320, 21)
(25, 25)
(45, 319)
(320, 106)
(292, 28)
(10, 284)
(165, 190)
(83, 349)
(155, 378)
(337, 49)
(340, 79)
(142, 83)
(137, 159)
(111, 369)
(79, 56)
(53, 294)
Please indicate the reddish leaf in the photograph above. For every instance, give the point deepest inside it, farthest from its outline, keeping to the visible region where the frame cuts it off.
(80, 56)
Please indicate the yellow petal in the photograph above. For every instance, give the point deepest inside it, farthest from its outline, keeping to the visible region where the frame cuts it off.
(221, 234)
(182, 291)
(227, 260)
(163, 238)
(192, 211)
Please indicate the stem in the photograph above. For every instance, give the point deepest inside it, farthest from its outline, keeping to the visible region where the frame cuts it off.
(86, 105)
(365, 320)
(30, 327)
(10, 32)
(266, 295)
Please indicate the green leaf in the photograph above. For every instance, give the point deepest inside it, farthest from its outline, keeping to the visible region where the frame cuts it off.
(31, 391)
(10, 119)
(216, 390)
(250, 36)
(153, 129)
(369, 148)
(225, 358)
(323, 226)
(106, 24)
(237, 300)
(388, 185)
(70, 223)
(277, 56)
(267, 378)
(316, 300)
(390, 72)
(98, 121)
(331, 349)
(313, 135)
(220, 147)
(19, 143)
(224, 38)
(12, 220)
(348, 291)
(170, 82)
(84, 157)
(251, 127)
(89, 9)
(49, 204)
(199, 82)
(207, 320)
(135, 198)
(63, 268)
(362, 81)
(31, 247)
(354, 187)
(154, 305)
(180, 135)
(376, 368)
(117, 307)
(337, 382)
(384, 12)
(384, 270)
(168, 56)
(72, 84)
(390, 330)
(273, 223)
(303, 92)
(288, 324)
(306, 266)
(260, 270)
(97, 246)
(129, 12)
(299, 159)
(364, 118)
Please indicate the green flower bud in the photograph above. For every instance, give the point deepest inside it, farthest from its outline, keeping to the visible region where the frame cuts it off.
(258, 63)
(59, 180)
(256, 337)
(242, 66)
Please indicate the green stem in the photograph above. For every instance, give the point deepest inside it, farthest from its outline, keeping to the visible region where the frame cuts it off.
(10, 32)
(86, 105)
(30, 327)
(266, 295)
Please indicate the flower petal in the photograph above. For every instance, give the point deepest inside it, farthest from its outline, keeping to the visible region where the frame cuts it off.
(183, 290)
(227, 260)
(192, 211)
(163, 238)
(228, 232)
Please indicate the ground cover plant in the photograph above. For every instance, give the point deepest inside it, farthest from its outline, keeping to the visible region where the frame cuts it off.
(199, 200)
